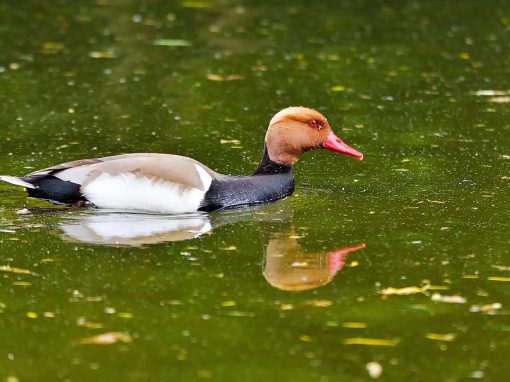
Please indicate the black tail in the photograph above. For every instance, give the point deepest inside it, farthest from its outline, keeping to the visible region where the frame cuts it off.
(48, 188)
(55, 190)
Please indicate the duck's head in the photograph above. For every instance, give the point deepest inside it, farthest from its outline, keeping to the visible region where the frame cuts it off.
(294, 130)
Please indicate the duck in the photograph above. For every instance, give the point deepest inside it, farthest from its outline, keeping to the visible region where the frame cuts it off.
(174, 184)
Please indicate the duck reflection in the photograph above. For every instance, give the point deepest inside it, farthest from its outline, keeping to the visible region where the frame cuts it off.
(126, 229)
(287, 264)
(137, 229)
(290, 267)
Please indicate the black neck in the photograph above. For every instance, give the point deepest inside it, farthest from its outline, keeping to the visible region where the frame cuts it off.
(268, 167)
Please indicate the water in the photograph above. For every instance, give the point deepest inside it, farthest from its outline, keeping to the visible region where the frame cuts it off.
(265, 293)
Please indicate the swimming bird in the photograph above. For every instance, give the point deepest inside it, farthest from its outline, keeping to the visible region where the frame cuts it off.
(174, 184)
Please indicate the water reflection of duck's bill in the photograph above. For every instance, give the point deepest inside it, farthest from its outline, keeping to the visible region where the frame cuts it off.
(289, 267)
(134, 229)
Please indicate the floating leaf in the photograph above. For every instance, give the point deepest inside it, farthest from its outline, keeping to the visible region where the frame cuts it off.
(32, 315)
(230, 248)
(501, 267)
(455, 299)
(404, 291)
(319, 303)
(51, 47)
(82, 321)
(498, 278)
(230, 141)
(338, 88)
(488, 308)
(8, 268)
(172, 42)
(219, 77)
(491, 92)
(499, 99)
(449, 337)
(354, 325)
(103, 54)
(22, 283)
(370, 341)
(107, 339)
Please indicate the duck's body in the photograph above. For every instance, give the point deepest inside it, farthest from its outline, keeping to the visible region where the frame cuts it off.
(175, 184)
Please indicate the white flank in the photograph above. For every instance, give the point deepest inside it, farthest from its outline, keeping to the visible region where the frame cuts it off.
(138, 193)
(16, 181)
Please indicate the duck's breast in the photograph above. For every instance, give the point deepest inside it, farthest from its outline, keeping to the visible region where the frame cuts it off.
(247, 190)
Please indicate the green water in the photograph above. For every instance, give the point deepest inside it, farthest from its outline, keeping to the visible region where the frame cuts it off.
(400, 81)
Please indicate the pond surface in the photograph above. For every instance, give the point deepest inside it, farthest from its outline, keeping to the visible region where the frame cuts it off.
(396, 268)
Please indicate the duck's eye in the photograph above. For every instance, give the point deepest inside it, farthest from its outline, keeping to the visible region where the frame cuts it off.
(314, 123)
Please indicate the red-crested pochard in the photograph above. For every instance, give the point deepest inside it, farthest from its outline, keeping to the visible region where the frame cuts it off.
(174, 184)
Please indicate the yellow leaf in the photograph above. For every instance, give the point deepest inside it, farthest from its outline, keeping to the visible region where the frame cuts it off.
(230, 141)
(219, 77)
(370, 341)
(172, 42)
(449, 337)
(305, 338)
(8, 268)
(319, 303)
(229, 303)
(107, 339)
(404, 291)
(501, 267)
(488, 308)
(354, 325)
(338, 88)
(22, 283)
(498, 278)
(51, 47)
(500, 99)
(32, 315)
(455, 299)
(103, 54)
